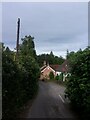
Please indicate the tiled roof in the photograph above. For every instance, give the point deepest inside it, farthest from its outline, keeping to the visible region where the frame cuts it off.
(55, 67)
(43, 67)
(64, 67)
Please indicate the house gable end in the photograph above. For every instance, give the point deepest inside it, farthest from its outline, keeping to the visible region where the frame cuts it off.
(47, 68)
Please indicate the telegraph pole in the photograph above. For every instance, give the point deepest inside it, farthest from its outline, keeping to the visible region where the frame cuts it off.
(18, 31)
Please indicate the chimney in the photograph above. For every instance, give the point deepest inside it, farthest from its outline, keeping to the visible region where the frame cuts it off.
(48, 63)
(44, 63)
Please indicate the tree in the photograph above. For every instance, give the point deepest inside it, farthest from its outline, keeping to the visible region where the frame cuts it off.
(31, 76)
(67, 54)
(27, 62)
(20, 79)
(49, 58)
(51, 54)
(2, 47)
(10, 88)
(51, 75)
(57, 77)
(78, 85)
(27, 48)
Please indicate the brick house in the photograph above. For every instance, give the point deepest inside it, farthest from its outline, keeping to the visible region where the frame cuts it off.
(56, 69)
(46, 71)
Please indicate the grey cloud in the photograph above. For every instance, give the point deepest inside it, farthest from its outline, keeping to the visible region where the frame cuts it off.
(54, 25)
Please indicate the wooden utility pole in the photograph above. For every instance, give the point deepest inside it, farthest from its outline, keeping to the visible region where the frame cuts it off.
(18, 31)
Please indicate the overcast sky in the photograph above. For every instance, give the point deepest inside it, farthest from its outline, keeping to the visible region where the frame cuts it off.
(55, 26)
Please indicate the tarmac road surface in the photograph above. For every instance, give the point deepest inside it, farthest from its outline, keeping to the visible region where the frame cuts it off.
(50, 103)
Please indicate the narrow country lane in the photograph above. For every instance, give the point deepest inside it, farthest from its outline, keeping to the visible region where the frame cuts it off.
(50, 103)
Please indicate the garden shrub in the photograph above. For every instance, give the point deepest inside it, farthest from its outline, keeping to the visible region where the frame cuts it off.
(19, 77)
(78, 85)
(51, 76)
(11, 86)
